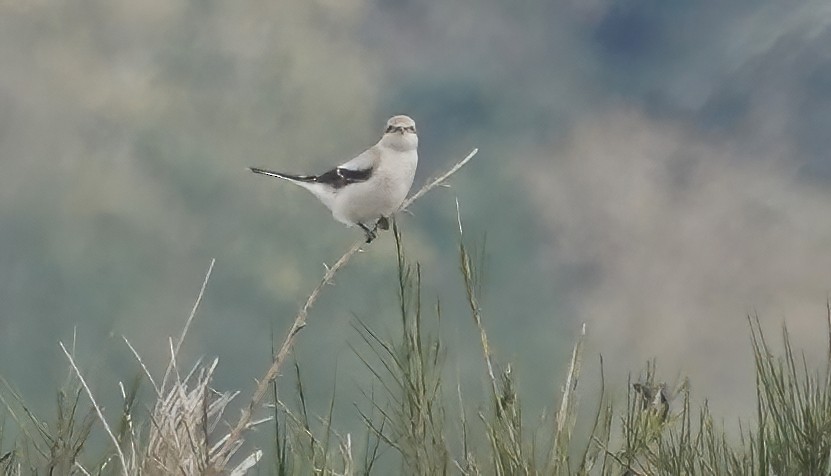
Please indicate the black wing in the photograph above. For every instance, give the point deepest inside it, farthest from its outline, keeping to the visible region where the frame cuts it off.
(340, 177)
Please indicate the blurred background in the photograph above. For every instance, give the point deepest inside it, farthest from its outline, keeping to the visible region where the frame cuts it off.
(657, 170)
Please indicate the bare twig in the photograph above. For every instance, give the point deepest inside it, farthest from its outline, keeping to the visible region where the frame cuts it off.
(224, 454)
(438, 180)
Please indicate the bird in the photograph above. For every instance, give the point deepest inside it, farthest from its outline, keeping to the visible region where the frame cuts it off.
(368, 189)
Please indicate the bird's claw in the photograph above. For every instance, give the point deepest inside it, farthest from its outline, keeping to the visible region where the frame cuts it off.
(370, 233)
(383, 223)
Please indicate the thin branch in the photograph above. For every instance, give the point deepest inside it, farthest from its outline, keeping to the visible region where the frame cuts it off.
(438, 180)
(224, 454)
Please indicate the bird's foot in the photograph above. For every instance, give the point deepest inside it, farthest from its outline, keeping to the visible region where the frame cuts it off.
(370, 234)
(383, 223)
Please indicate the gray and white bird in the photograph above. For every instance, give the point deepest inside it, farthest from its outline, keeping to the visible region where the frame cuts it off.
(368, 189)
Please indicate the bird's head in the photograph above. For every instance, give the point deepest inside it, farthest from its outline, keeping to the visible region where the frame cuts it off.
(400, 133)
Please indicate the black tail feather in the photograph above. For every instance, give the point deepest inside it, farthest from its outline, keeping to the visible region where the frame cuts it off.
(271, 173)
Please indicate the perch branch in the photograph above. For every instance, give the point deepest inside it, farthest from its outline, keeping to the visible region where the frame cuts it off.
(224, 454)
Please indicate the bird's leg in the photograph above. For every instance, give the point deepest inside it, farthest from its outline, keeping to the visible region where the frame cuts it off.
(383, 223)
(370, 234)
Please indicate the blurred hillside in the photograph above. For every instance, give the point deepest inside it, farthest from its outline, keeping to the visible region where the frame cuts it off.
(654, 169)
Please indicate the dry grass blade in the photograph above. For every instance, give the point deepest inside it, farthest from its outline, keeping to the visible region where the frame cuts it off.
(187, 323)
(504, 433)
(300, 322)
(182, 435)
(95, 405)
(182, 422)
(558, 459)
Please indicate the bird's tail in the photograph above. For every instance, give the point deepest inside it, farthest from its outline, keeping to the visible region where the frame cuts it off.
(323, 192)
(291, 178)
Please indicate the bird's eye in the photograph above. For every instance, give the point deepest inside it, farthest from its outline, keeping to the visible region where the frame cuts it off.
(389, 129)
